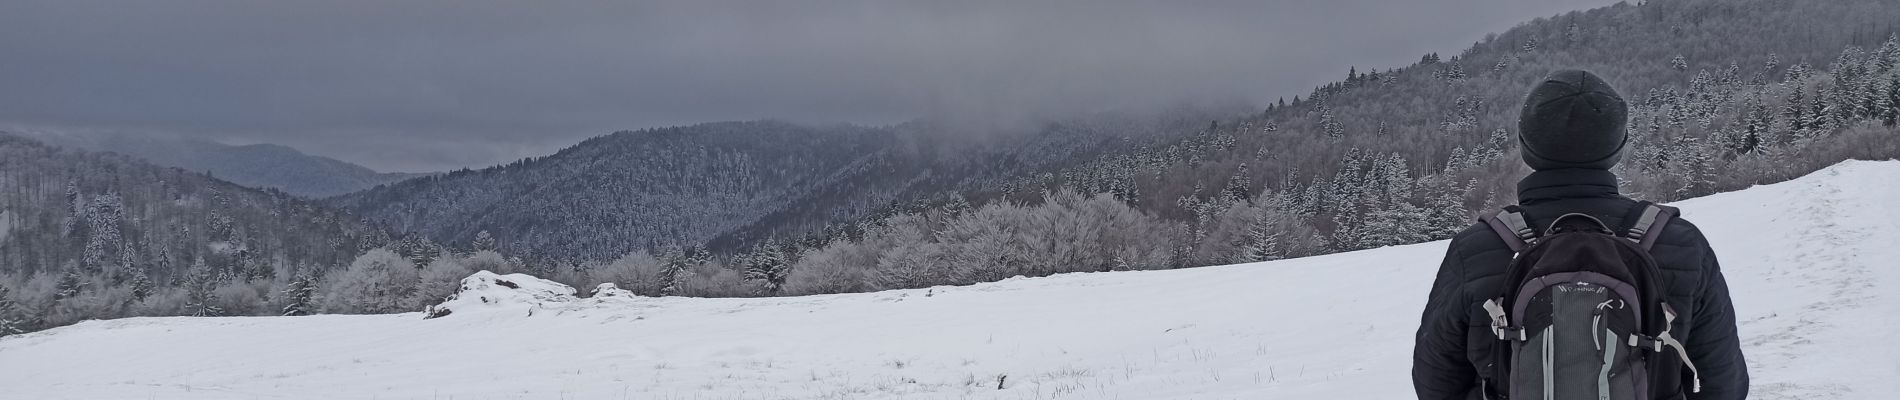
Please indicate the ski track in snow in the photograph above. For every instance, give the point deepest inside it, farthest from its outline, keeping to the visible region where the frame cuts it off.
(1800, 257)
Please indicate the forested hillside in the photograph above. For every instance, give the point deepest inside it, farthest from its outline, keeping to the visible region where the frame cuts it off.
(257, 165)
(730, 183)
(1424, 145)
(88, 235)
(1404, 155)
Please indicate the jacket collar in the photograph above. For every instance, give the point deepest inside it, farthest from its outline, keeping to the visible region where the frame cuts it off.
(1566, 183)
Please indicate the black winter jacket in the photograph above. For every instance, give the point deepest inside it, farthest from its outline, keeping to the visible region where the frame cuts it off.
(1454, 341)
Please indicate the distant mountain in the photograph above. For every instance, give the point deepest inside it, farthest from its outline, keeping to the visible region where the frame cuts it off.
(91, 235)
(257, 165)
(729, 183)
(1385, 156)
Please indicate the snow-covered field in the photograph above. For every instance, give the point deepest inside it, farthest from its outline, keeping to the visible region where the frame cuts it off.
(1808, 261)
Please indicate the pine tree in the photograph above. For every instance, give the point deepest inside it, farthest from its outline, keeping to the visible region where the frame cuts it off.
(1454, 71)
(69, 285)
(1794, 109)
(93, 257)
(767, 268)
(1820, 112)
(1754, 124)
(1887, 103)
(483, 242)
(1239, 186)
(418, 250)
(1398, 223)
(141, 285)
(200, 295)
(75, 209)
(1330, 124)
(1887, 58)
(298, 295)
(1499, 142)
(10, 321)
(1447, 207)
(1395, 179)
(957, 205)
(674, 270)
(1699, 169)
(1797, 72)
(1262, 242)
(1504, 63)
(1679, 63)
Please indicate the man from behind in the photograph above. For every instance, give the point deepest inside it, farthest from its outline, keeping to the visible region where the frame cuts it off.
(1656, 327)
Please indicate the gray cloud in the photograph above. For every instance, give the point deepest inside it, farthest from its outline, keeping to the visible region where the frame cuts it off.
(426, 85)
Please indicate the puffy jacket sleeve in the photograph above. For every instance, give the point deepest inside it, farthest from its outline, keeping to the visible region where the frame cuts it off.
(1439, 367)
(1714, 345)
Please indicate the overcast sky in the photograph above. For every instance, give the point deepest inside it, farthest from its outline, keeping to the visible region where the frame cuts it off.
(431, 85)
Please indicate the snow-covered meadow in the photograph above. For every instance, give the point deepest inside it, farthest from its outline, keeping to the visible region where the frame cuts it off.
(1807, 261)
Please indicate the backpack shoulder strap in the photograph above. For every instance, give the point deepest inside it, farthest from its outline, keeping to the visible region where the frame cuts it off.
(1511, 226)
(1648, 222)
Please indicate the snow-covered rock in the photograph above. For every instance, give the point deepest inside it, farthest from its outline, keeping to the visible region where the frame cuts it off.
(606, 290)
(488, 291)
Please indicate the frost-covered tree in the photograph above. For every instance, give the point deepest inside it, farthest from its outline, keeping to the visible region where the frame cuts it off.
(419, 250)
(1239, 186)
(767, 268)
(379, 281)
(141, 284)
(1330, 124)
(69, 285)
(10, 320)
(637, 271)
(201, 297)
(909, 256)
(675, 268)
(837, 267)
(1262, 242)
(438, 280)
(1396, 224)
(299, 295)
(483, 242)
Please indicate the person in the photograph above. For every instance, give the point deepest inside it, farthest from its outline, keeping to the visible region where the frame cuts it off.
(1570, 133)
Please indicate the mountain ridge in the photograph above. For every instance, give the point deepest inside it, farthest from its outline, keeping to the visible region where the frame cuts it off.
(259, 165)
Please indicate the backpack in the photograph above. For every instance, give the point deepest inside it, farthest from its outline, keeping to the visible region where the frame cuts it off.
(1582, 311)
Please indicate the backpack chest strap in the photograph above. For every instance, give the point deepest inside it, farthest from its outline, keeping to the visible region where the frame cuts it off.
(1501, 323)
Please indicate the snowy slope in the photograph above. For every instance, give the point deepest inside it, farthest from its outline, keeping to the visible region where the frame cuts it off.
(1803, 258)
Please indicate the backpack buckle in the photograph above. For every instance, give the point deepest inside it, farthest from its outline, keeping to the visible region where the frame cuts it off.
(1511, 333)
(1650, 343)
(1501, 324)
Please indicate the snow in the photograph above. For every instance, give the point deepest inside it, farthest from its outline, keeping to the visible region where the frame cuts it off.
(1805, 259)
